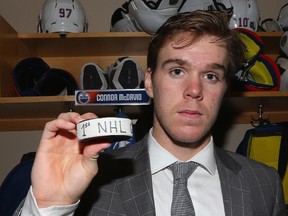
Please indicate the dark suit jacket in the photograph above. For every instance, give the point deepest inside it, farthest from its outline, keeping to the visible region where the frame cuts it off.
(123, 185)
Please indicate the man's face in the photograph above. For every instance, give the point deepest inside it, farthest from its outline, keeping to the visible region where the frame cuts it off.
(187, 86)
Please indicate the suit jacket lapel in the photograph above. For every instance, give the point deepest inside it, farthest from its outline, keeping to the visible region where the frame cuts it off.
(231, 184)
(136, 190)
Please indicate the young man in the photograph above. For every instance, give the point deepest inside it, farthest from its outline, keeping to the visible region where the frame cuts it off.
(190, 61)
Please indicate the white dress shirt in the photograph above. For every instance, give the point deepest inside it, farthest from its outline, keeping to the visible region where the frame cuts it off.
(30, 208)
(203, 185)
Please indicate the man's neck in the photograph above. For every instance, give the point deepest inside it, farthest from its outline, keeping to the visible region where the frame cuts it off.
(182, 151)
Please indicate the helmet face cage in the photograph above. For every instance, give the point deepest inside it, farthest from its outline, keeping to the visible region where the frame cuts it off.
(62, 16)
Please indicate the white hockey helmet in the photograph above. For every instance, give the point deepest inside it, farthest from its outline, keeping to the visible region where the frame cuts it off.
(220, 5)
(245, 14)
(62, 16)
(192, 5)
(282, 63)
(284, 43)
(223, 6)
(283, 17)
(121, 21)
(271, 25)
(150, 15)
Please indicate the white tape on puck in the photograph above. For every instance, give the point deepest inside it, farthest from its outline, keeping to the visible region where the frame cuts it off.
(105, 129)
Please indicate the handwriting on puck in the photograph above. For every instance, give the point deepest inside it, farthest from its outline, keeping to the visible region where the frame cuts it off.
(105, 129)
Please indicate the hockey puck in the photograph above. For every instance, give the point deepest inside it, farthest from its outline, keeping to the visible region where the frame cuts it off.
(109, 129)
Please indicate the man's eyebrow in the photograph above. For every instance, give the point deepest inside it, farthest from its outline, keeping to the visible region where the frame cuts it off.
(175, 61)
(218, 66)
(182, 62)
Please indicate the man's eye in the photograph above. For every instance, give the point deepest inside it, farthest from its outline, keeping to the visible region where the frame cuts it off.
(176, 72)
(211, 77)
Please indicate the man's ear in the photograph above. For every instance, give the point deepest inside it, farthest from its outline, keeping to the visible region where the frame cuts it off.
(148, 83)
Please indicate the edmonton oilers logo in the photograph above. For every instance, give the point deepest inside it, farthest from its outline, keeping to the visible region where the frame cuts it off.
(83, 97)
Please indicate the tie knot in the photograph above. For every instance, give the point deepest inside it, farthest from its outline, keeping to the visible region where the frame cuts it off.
(182, 170)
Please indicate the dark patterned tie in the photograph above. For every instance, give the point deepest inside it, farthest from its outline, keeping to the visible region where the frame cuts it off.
(181, 202)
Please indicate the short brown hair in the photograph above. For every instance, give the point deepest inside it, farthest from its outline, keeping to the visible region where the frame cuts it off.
(199, 23)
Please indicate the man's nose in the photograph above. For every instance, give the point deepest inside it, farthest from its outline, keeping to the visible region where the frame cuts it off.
(194, 88)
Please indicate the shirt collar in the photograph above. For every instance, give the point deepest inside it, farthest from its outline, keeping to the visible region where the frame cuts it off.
(160, 158)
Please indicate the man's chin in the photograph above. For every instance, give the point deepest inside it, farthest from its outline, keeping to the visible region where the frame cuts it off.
(192, 139)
